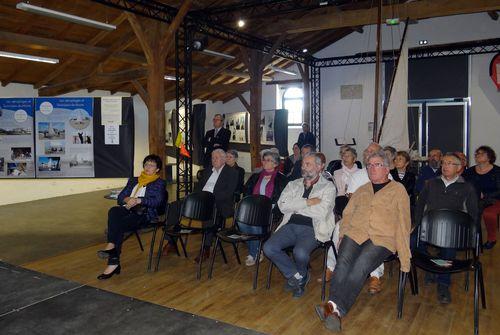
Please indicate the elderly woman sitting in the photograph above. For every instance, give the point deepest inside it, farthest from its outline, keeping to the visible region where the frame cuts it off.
(269, 182)
(140, 201)
(376, 224)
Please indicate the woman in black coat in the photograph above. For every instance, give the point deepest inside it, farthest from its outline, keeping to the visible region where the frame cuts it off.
(270, 183)
(401, 174)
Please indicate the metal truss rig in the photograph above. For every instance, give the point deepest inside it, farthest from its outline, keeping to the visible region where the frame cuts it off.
(184, 108)
(315, 85)
(465, 48)
(204, 24)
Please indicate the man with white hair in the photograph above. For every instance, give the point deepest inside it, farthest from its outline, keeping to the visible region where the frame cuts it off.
(307, 207)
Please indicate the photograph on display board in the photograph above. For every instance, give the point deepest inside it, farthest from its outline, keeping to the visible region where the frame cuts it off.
(16, 138)
(65, 137)
(267, 127)
(169, 133)
(236, 123)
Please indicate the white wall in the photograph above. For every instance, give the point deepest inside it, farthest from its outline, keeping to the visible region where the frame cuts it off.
(33, 189)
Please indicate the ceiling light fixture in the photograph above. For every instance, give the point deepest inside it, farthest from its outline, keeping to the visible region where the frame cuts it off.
(241, 23)
(64, 16)
(423, 42)
(217, 54)
(304, 50)
(29, 57)
(278, 69)
(169, 77)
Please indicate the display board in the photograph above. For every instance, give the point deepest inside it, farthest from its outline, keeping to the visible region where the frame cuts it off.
(64, 137)
(237, 124)
(17, 149)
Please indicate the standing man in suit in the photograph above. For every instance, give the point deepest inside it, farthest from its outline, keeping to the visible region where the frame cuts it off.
(217, 138)
(222, 181)
(306, 137)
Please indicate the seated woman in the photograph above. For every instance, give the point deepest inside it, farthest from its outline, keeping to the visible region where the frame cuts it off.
(232, 161)
(142, 200)
(290, 160)
(485, 176)
(401, 174)
(376, 224)
(269, 182)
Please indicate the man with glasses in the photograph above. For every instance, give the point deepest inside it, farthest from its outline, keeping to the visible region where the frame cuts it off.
(217, 138)
(449, 191)
(430, 171)
(375, 224)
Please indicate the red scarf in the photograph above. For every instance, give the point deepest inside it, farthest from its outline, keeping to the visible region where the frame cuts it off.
(269, 185)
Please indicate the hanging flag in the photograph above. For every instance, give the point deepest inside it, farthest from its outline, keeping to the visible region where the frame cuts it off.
(183, 151)
(178, 140)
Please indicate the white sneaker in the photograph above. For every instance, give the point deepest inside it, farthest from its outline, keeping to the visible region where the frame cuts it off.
(250, 261)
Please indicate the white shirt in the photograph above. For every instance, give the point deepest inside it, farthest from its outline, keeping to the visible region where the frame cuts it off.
(140, 193)
(448, 182)
(358, 179)
(209, 186)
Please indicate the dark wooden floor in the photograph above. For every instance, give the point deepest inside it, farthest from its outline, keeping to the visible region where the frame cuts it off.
(229, 297)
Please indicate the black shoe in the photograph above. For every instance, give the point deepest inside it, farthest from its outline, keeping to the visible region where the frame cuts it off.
(429, 278)
(291, 284)
(443, 293)
(489, 244)
(104, 254)
(104, 276)
(301, 288)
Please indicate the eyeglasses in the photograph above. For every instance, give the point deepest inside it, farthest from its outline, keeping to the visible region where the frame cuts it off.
(479, 153)
(450, 163)
(150, 165)
(374, 165)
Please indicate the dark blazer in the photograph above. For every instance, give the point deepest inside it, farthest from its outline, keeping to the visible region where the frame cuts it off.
(408, 182)
(224, 189)
(210, 140)
(425, 174)
(241, 178)
(154, 199)
(307, 138)
(491, 180)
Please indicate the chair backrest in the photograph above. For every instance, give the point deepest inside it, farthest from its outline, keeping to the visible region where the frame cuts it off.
(340, 204)
(446, 228)
(198, 206)
(254, 210)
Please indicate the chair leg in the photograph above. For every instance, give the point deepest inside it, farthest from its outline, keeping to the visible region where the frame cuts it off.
(391, 268)
(139, 240)
(476, 301)
(257, 263)
(212, 258)
(160, 248)
(223, 253)
(467, 281)
(481, 285)
(415, 278)
(202, 247)
(401, 292)
(183, 246)
(235, 247)
(323, 277)
(412, 282)
(151, 248)
(269, 274)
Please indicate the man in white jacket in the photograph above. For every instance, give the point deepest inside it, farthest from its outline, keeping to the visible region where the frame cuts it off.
(307, 206)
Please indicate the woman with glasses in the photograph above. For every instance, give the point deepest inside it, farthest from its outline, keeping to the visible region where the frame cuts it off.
(485, 176)
(142, 200)
(269, 182)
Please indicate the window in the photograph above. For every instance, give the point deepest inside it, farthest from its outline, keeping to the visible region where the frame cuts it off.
(293, 101)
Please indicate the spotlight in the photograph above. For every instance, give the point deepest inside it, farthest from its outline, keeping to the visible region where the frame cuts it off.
(241, 23)
(304, 50)
(423, 42)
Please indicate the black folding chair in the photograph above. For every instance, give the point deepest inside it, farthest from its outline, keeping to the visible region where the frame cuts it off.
(454, 229)
(252, 210)
(198, 206)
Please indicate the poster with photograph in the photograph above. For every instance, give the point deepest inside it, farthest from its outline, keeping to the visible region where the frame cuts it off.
(16, 138)
(169, 132)
(267, 127)
(64, 137)
(237, 124)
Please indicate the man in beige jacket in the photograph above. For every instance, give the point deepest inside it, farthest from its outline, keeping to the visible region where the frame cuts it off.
(307, 207)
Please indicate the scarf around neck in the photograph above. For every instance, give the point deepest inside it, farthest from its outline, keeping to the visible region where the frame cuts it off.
(269, 185)
(144, 180)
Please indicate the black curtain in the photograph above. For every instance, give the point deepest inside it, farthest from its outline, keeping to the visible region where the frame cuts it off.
(281, 131)
(114, 161)
(198, 132)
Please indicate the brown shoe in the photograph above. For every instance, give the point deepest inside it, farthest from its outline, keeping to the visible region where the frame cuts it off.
(168, 248)
(374, 285)
(205, 255)
(328, 276)
(329, 316)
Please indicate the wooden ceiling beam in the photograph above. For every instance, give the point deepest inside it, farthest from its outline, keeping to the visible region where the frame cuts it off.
(415, 10)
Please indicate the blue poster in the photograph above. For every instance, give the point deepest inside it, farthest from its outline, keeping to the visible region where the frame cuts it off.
(64, 137)
(16, 138)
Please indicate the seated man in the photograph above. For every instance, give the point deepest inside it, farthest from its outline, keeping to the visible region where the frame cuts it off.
(297, 167)
(376, 224)
(430, 171)
(307, 205)
(448, 191)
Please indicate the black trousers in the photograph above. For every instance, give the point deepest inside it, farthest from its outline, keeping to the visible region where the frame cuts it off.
(121, 221)
(355, 262)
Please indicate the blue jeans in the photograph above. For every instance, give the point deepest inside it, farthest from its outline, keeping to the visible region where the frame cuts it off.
(443, 253)
(253, 246)
(303, 241)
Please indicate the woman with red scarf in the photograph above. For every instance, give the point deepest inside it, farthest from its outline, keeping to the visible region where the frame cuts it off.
(269, 182)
